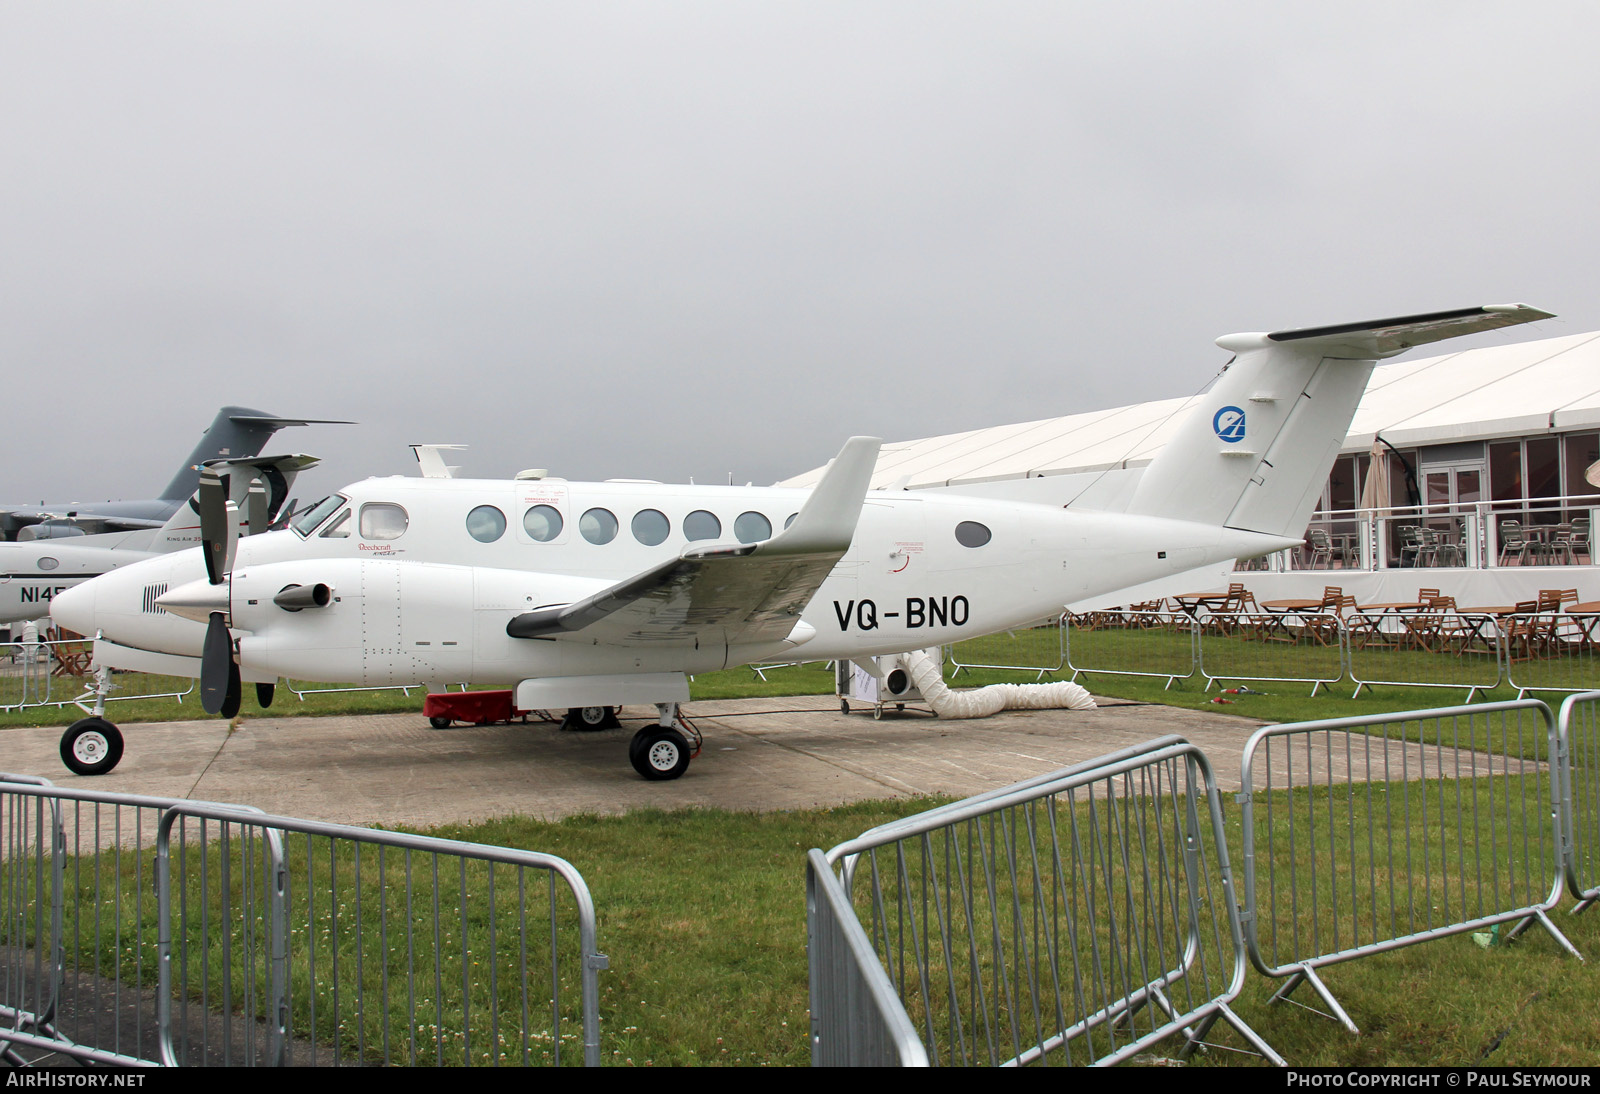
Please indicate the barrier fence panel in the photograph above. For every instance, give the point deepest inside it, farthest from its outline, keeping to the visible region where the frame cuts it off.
(59, 673)
(856, 1018)
(396, 949)
(1077, 919)
(301, 690)
(1424, 649)
(1160, 644)
(26, 675)
(1579, 727)
(1552, 651)
(143, 931)
(1303, 648)
(88, 988)
(1036, 649)
(1362, 835)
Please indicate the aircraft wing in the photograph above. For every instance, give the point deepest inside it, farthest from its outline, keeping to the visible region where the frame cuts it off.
(728, 593)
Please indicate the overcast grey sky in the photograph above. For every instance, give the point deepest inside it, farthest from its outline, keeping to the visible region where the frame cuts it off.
(686, 239)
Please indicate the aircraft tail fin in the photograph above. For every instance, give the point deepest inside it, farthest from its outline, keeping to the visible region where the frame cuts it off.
(235, 433)
(1256, 451)
(258, 487)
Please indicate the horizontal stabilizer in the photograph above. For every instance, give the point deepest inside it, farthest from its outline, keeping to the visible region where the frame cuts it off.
(282, 423)
(1377, 339)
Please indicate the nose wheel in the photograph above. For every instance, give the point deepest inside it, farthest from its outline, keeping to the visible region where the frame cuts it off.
(91, 746)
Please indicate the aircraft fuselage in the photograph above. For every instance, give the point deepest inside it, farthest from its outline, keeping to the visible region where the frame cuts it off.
(416, 596)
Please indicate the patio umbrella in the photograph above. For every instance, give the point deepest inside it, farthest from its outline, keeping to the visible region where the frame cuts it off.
(1375, 491)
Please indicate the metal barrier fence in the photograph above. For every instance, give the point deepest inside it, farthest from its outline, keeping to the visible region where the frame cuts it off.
(59, 674)
(1424, 650)
(1304, 647)
(1079, 917)
(253, 939)
(1552, 651)
(1578, 726)
(1040, 649)
(1471, 652)
(77, 924)
(1363, 835)
(1163, 644)
(856, 1018)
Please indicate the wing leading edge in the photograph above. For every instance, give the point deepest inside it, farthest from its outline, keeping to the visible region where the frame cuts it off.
(727, 594)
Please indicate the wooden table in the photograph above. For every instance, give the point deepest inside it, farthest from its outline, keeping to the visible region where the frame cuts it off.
(1193, 602)
(1290, 607)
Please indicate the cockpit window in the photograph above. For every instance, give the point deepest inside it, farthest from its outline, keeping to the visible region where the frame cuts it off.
(338, 527)
(383, 520)
(307, 522)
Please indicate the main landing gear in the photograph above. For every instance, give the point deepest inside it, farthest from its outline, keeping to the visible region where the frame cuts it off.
(663, 751)
(590, 718)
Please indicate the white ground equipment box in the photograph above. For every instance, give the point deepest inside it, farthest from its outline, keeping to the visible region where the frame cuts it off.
(853, 683)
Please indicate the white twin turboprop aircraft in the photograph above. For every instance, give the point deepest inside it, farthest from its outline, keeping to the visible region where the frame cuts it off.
(597, 594)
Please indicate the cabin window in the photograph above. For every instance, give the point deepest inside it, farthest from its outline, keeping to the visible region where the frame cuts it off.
(383, 520)
(542, 523)
(650, 526)
(48, 563)
(338, 528)
(598, 526)
(790, 520)
(969, 533)
(701, 525)
(307, 522)
(752, 528)
(486, 524)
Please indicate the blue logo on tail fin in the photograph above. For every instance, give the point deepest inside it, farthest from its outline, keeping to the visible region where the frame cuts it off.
(1228, 424)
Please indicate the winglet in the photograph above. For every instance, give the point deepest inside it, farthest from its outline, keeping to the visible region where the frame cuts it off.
(827, 521)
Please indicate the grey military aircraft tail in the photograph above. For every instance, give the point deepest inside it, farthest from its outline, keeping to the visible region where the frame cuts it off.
(235, 433)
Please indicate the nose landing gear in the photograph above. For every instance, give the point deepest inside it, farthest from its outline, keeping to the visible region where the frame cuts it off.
(91, 746)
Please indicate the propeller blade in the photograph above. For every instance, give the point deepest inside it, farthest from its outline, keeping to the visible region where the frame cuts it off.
(256, 507)
(215, 532)
(217, 670)
(235, 695)
(264, 693)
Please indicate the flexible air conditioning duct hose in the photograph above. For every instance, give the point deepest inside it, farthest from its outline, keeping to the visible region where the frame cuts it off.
(927, 671)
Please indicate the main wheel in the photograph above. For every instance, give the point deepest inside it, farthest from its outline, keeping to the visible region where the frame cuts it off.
(91, 746)
(591, 718)
(659, 754)
(438, 721)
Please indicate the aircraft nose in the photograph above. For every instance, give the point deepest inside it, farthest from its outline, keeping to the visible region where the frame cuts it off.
(74, 608)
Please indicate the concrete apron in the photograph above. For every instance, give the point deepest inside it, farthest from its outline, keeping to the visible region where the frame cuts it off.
(759, 754)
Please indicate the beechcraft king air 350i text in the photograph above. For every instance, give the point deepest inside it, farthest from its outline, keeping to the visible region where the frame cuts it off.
(581, 594)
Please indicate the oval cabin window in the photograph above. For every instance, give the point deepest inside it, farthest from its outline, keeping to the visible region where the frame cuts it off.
(486, 524)
(969, 533)
(542, 523)
(752, 528)
(701, 525)
(650, 527)
(598, 526)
